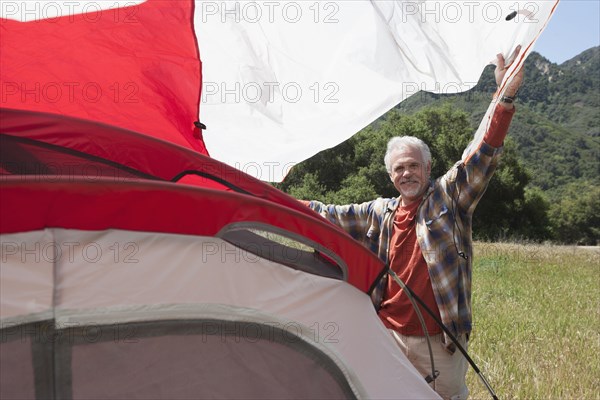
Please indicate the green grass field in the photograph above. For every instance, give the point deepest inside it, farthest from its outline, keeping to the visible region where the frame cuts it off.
(536, 328)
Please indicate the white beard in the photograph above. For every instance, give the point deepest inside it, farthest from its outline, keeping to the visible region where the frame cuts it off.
(411, 191)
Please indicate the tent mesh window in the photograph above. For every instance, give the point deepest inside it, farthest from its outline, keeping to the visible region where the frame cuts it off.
(190, 359)
(26, 360)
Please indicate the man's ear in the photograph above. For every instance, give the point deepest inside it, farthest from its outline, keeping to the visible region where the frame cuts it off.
(429, 168)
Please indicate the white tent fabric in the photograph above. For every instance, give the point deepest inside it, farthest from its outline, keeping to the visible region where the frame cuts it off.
(285, 80)
(88, 279)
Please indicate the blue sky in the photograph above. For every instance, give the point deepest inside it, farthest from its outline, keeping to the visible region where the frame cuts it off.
(574, 27)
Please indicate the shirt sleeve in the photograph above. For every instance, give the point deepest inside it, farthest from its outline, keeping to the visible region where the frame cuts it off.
(498, 129)
(355, 219)
(468, 179)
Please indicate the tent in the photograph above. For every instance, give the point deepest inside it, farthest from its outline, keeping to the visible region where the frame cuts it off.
(133, 265)
(117, 281)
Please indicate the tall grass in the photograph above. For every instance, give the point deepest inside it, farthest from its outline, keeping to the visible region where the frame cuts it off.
(536, 328)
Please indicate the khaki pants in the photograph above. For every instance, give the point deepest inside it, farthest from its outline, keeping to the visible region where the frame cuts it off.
(450, 384)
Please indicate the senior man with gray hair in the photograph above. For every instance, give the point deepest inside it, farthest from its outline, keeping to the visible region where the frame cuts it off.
(424, 236)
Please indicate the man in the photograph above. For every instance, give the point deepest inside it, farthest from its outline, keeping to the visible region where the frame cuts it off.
(424, 235)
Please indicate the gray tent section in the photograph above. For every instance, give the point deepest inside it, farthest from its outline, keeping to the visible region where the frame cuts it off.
(184, 322)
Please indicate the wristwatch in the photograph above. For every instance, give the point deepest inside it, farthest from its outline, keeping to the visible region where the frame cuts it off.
(507, 99)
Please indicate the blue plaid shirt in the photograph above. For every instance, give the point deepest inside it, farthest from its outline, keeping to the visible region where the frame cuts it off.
(444, 230)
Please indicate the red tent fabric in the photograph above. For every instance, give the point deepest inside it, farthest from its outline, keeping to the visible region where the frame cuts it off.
(108, 66)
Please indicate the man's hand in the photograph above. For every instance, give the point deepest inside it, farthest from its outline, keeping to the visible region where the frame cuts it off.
(501, 68)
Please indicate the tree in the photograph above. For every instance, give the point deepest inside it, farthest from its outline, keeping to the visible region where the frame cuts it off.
(575, 218)
(355, 189)
(500, 212)
(308, 188)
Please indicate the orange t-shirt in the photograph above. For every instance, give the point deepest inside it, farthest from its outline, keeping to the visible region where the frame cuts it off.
(407, 261)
